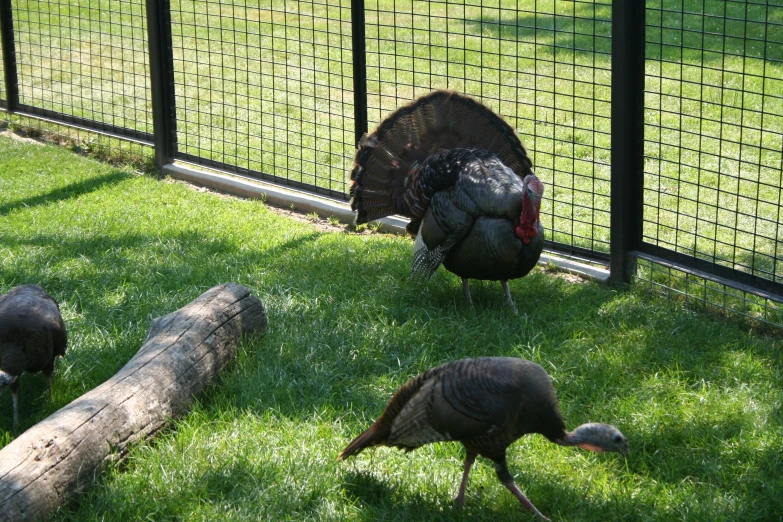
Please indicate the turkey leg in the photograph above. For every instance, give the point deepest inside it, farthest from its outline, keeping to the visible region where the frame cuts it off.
(507, 480)
(470, 458)
(509, 301)
(466, 291)
(15, 399)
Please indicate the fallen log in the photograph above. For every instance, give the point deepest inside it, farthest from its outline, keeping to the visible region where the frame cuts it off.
(182, 354)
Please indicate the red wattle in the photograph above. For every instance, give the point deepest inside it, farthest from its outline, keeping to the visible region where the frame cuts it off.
(526, 233)
(526, 230)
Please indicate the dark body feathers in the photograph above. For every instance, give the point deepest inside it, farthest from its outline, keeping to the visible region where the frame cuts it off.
(32, 335)
(492, 252)
(485, 403)
(463, 177)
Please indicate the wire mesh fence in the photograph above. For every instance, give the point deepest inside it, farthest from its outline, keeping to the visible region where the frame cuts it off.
(544, 66)
(85, 62)
(679, 284)
(714, 132)
(266, 89)
(276, 90)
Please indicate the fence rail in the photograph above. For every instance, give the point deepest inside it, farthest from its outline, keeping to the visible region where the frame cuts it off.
(657, 126)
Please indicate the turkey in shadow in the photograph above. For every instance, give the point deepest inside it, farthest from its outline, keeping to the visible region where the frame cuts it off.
(463, 177)
(486, 404)
(32, 335)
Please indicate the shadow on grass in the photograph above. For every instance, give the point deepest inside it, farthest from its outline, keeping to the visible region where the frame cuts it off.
(587, 33)
(69, 191)
(120, 285)
(113, 285)
(546, 30)
(133, 278)
(379, 500)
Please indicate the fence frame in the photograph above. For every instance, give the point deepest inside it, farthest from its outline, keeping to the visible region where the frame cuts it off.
(359, 40)
(11, 102)
(627, 164)
(161, 60)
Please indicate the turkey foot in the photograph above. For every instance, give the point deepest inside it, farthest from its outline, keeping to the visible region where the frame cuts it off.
(509, 302)
(507, 480)
(470, 458)
(512, 487)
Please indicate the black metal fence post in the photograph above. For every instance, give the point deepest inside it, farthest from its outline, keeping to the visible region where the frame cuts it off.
(359, 68)
(161, 55)
(627, 177)
(9, 56)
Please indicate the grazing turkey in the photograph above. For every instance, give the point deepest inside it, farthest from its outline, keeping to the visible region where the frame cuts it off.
(32, 334)
(486, 404)
(463, 177)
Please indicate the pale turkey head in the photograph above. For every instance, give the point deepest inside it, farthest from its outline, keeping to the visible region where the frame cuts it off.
(531, 207)
(596, 436)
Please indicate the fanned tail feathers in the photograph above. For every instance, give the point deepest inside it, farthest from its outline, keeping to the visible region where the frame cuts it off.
(378, 433)
(438, 121)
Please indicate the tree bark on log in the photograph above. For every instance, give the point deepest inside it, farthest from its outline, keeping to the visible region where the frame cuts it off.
(182, 354)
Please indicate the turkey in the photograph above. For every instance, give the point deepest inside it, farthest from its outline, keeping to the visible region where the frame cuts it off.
(486, 404)
(463, 177)
(32, 334)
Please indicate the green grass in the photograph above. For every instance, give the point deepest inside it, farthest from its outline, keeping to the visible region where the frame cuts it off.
(699, 397)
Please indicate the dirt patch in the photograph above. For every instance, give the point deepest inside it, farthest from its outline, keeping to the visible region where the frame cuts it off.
(323, 225)
(563, 274)
(17, 137)
(568, 276)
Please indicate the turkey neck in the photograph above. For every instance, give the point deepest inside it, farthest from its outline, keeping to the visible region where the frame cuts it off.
(528, 220)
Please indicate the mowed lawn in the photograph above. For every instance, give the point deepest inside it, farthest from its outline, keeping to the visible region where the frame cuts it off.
(700, 397)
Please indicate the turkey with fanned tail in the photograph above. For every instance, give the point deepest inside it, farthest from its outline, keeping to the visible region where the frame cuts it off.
(462, 176)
